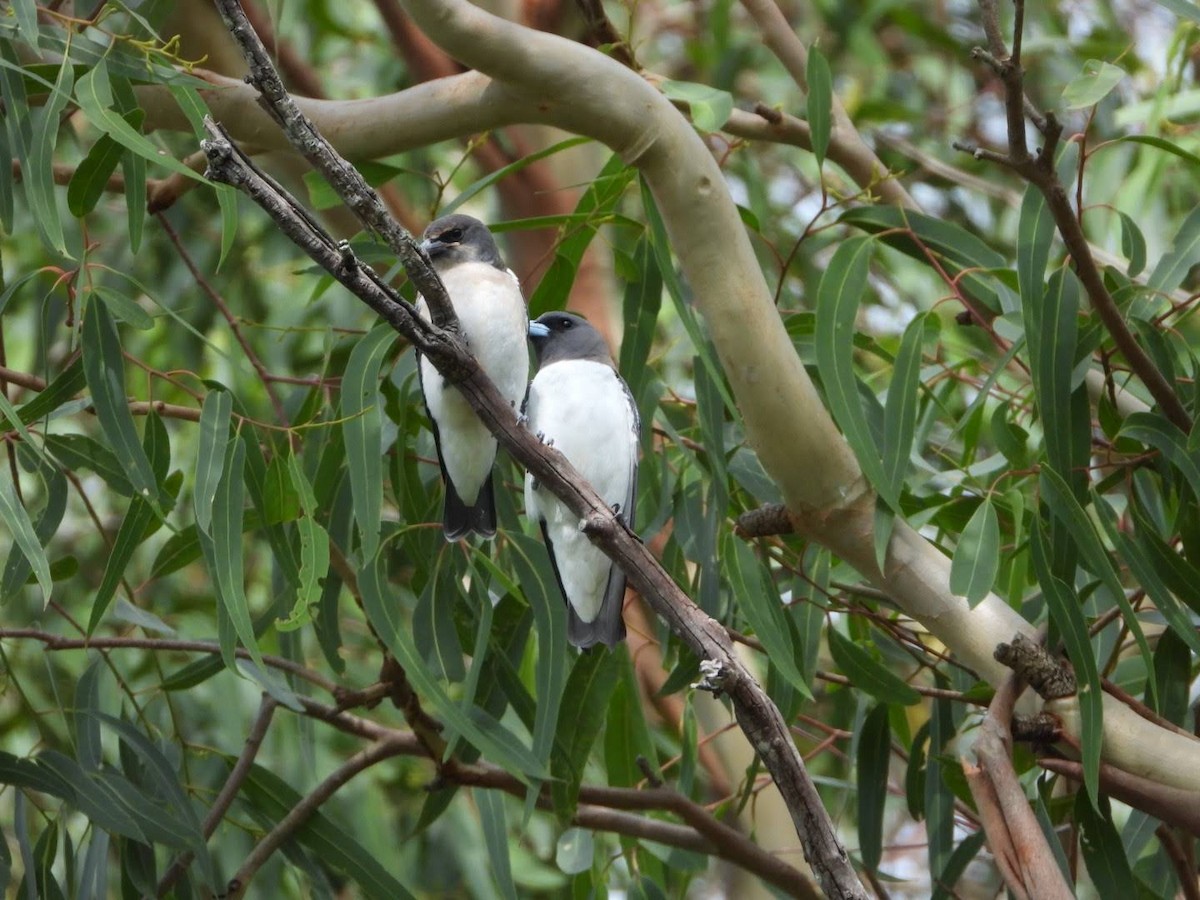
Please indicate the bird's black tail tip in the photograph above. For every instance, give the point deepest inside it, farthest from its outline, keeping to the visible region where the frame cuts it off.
(604, 629)
(459, 520)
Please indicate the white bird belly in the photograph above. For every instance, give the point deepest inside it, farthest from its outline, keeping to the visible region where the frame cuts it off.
(582, 407)
(491, 311)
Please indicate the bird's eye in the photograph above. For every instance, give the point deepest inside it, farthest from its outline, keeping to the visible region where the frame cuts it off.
(453, 236)
(566, 323)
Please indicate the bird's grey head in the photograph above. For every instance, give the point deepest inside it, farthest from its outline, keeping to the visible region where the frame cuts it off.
(559, 336)
(456, 239)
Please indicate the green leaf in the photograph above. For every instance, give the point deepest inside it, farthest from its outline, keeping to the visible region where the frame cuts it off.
(433, 623)
(500, 174)
(104, 366)
(871, 767)
(1133, 245)
(919, 236)
(125, 308)
(495, 835)
(1092, 85)
(363, 431)
(1064, 506)
(1153, 429)
(495, 740)
(957, 864)
(595, 207)
(626, 734)
(1175, 264)
(78, 451)
(1103, 852)
(314, 551)
(575, 851)
(642, 302)
(65, 385)
(1035, 233)
(18, 568)
(900, 410)
(1051, 332)
(91, 176)
(223, 554)
(838, 295)
(977, 556)
(20, 527)
(215, 415)
(1067, 617)
(26, 13)
(759, 602)
(331, 842)
(710, 107)
(532, 573)
(589, 687)
(41, 191)
(94, 93)
(867, 673)
(1151, 576)
(1161, 144)
(679, 299)
(195, 109)
(820, 102)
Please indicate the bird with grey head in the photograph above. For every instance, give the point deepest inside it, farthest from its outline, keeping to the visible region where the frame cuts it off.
(487, 299)
(578, 402)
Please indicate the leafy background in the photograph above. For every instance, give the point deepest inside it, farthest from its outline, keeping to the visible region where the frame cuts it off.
(208, 441)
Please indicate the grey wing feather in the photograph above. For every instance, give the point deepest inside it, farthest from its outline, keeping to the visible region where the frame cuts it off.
(458, 519)
(609, 626)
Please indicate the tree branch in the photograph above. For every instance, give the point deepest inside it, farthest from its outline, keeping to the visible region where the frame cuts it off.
(302, 811)
(229, 790)
(846, 146)
(1040, 172)
(1013, 832)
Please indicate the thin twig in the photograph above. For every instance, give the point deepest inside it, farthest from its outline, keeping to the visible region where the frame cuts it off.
(227, 314)
(302, 811)
(1040, 172)
(55, 642)
(229, 790)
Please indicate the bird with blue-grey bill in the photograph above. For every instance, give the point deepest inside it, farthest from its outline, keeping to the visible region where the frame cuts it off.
(491, 311)
(578, 403)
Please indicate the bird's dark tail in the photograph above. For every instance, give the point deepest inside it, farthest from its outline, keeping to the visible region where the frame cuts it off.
(459, 520)
(608, 628)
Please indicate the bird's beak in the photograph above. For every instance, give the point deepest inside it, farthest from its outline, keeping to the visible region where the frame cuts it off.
(538, 330)
(426, 247)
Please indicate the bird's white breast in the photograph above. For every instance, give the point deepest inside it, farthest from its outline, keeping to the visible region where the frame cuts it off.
(491, 311)
(584, 409)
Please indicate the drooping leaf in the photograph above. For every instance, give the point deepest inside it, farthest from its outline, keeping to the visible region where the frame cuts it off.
(838, 295)
(272, 796)
(104, 366)
(1093, 84)
(1103, 851)
(1175, 264)
(867, 673)
(820, 102)
(762, 608)
(590, 685)
(495, 835)
(871, 766)
(94, 94)
(1067, 617)
(362, 430)
(977, 556)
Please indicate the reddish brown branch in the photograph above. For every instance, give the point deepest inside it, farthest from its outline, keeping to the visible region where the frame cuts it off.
(1040, 172)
